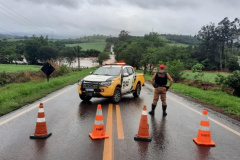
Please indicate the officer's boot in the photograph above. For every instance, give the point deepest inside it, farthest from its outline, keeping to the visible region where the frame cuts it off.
(152, 112)
(164, 108)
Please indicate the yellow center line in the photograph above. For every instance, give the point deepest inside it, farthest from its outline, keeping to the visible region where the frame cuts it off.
(119, 123)
(108, 143)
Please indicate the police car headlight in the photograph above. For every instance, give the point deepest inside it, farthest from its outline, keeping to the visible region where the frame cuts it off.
(107, 83)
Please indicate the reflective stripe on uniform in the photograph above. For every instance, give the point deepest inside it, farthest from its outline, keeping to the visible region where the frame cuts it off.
(41, 110)
(41, 120)
(144, 112)
(98, 122)
(204, 128)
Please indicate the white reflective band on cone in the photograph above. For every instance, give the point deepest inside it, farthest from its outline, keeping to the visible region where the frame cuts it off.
(41, 110)
(99, 112)
(204, 118)
(144, 112)
(98, 122)
(41, 120)
(204, 128)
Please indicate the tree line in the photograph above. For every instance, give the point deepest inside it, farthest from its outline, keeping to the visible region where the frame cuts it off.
(214, 47)
(40, 49)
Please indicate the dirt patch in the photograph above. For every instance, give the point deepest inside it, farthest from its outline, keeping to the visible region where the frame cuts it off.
(223, 71)
(207, 86)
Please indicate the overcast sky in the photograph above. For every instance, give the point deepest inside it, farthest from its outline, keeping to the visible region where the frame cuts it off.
(75, 18)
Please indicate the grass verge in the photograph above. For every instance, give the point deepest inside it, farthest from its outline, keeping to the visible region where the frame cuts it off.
(16, 95)
(207, 77)
(13, 68)
(230, 104)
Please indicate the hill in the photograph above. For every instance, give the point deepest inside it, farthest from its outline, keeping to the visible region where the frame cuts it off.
(183, 39)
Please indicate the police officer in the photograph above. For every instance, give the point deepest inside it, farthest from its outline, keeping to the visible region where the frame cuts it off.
(159, 82)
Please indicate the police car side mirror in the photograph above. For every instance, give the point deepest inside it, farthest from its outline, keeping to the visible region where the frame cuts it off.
(125, 74)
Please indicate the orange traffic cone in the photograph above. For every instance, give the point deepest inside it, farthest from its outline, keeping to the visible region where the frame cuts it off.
(98, 128)
(143, 132)
(41, 126)
(204, 134)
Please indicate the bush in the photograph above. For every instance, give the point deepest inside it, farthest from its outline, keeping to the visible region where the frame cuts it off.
(232, 64)
(175, 69)
(197, 68)
(232, 81)
(63, 70)
(3, 78)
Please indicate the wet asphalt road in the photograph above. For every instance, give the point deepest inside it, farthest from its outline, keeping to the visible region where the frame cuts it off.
(70, 121)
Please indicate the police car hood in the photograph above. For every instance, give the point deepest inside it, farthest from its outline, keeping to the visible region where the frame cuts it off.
(98, 78)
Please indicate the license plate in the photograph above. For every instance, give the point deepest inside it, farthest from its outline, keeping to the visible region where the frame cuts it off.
(90, 89)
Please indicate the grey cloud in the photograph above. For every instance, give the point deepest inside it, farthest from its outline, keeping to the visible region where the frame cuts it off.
(173, 4)
(65, 3)
(99, 2)
(72, 3)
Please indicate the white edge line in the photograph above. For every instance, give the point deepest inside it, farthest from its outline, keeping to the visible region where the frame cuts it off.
(31, 108)
(213, 120)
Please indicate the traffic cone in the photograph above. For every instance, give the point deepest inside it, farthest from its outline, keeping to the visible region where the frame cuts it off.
(41, 126)
(204, 134)
(98, 128)
(143, 132)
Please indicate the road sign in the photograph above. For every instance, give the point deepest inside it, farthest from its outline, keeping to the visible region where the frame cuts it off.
(47, 69)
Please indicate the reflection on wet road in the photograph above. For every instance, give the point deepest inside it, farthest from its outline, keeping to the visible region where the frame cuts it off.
(71, 120)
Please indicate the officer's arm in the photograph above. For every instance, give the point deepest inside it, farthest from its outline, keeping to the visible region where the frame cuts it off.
(170, 79)
(153, 79)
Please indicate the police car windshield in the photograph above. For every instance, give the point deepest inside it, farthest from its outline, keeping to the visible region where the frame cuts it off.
(108, 71)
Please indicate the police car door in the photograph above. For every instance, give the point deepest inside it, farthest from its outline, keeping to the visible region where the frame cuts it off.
(126, 81)
(132, 77)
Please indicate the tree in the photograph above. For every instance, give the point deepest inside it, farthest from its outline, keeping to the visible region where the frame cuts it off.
(175, 69)
(77, 50)
(217, 43)
(69, 54)
(101, 57)
(32, 47)
(124, 36)
(47, 52)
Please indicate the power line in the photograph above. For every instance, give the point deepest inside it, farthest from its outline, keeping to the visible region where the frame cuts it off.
(16, 20)
(19, 18)
(25, 19)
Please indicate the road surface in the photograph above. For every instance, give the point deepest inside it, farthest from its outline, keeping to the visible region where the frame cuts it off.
(70, 121)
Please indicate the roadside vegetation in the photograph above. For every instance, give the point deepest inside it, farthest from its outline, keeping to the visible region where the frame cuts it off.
(12, 68)
(205, 76)
(16, 95)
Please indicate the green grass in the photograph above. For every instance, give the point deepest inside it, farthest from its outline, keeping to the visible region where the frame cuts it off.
(14, 40)
(208, 77)
(163, 38)
(12, 68)
(177, 44)
(16, 95)
(147, 76)
(94, 45)
(230, 104)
